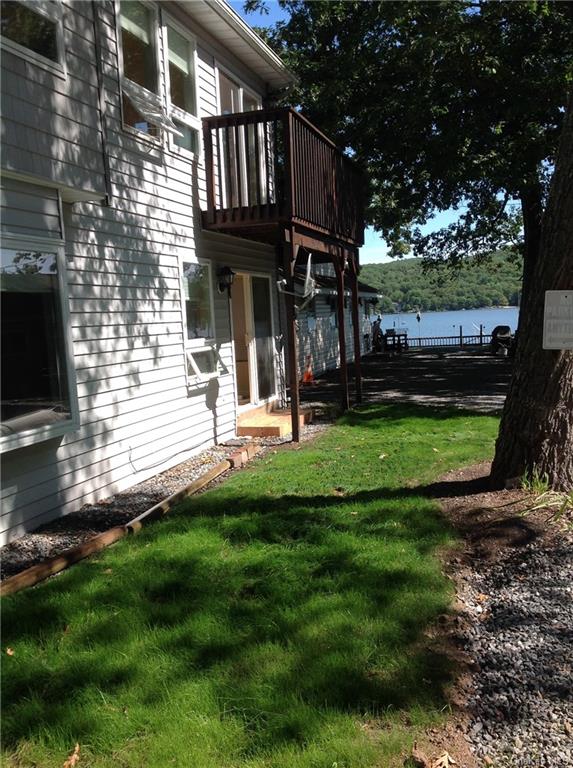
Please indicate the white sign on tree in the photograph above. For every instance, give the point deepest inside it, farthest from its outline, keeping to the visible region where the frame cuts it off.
(558, 320)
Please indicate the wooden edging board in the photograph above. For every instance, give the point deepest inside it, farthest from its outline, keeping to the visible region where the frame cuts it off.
(53, 565)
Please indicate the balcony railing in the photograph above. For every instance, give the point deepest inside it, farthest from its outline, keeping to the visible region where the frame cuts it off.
(273, 166)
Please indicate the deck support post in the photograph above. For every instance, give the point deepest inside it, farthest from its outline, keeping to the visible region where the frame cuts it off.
(353, 262)
(289, 260)
(339, 269)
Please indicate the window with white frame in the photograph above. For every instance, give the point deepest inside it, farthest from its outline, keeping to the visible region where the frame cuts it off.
(140, 71)
(143, 105)
(34, 31)
(202, 359)
(235, 189)
(181, 88)
(38, 401)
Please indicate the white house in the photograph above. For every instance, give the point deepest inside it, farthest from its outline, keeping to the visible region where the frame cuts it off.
(142, 169)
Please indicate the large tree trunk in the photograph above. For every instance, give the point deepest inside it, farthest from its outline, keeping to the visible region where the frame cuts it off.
(536, 431)
(531, 198)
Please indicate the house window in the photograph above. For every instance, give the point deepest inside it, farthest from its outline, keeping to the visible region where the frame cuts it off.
(142, 103)
(198, 309)
(138, 44)
(181, 86)
(199, 322)
(34, 32)
(36, 394)
(136, 120)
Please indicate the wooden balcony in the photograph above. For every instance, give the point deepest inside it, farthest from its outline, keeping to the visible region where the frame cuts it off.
(271, 168)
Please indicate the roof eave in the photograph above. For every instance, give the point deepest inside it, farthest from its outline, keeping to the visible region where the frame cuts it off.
(271, 69)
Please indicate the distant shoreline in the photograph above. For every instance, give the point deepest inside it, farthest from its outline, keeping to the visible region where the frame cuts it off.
(439, 311)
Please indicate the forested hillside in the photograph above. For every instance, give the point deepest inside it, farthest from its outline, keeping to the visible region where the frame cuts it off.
(406, 287)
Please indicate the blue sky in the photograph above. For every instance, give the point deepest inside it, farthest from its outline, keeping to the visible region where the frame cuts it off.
(374, 249)
(258, 19)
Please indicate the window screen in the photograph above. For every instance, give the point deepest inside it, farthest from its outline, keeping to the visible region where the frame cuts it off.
(181, 73)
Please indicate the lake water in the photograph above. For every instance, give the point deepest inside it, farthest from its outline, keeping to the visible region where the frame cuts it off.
(448, 323)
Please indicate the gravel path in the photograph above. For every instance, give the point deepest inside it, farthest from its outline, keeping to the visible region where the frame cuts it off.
(66, 532)
(519, 633)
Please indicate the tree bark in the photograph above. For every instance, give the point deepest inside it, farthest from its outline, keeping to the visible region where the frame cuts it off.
(531, 199)
(536, 431)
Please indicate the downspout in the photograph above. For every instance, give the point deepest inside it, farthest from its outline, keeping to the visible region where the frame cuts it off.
(102, 104)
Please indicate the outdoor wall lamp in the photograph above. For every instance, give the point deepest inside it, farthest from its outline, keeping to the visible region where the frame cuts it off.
(225, 277)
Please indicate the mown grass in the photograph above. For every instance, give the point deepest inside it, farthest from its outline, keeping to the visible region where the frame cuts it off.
(276, 621)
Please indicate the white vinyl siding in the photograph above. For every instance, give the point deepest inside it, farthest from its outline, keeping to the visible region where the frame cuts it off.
(50, 124)
(138, 415)
(321, 341)
(28, 209)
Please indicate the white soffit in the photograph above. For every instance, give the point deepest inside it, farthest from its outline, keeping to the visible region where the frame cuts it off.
(228, 28)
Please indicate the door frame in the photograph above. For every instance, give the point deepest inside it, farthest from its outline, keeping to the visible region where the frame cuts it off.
(254, 402)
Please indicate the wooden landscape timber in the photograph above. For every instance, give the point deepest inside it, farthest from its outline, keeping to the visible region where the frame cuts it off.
(37, 573)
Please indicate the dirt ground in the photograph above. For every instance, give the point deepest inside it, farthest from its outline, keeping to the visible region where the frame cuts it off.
(472, 379)
(490, 524)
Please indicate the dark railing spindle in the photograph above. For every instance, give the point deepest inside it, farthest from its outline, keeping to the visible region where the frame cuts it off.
(258, 169)
(220, 166)
(272, 165)
(248, 172)
(239, 169)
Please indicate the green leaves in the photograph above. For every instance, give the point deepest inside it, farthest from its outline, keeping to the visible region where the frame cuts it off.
(442, 102)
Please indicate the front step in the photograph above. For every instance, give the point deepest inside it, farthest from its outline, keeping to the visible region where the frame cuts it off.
(261, 422)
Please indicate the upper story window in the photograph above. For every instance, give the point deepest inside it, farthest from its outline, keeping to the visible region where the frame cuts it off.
(234, 97)
(34, 31)
(138, 43)
(181, 86)
(239, 159)
(150, 103)
(140, 81)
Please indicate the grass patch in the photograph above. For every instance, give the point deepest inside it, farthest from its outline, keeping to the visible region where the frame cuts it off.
(277, 620)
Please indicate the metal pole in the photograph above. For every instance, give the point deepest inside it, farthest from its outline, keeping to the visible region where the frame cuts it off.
(461, 337)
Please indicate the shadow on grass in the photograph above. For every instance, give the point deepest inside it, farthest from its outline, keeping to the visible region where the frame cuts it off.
(366, 415)
(276, 613)
(275, 605)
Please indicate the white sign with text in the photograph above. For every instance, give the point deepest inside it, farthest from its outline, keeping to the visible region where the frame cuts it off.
(558, 320)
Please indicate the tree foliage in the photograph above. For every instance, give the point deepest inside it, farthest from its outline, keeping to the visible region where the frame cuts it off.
(461, 104)
(407, 287)
(452, 104)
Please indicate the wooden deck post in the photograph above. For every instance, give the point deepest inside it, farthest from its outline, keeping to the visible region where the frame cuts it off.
(356, 326)
(210, 172)
(339, 268)
(289, 260)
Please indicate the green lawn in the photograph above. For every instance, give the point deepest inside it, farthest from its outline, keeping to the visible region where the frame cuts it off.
(278, 620)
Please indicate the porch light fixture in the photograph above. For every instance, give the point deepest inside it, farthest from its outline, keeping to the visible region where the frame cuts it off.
(225, 277)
